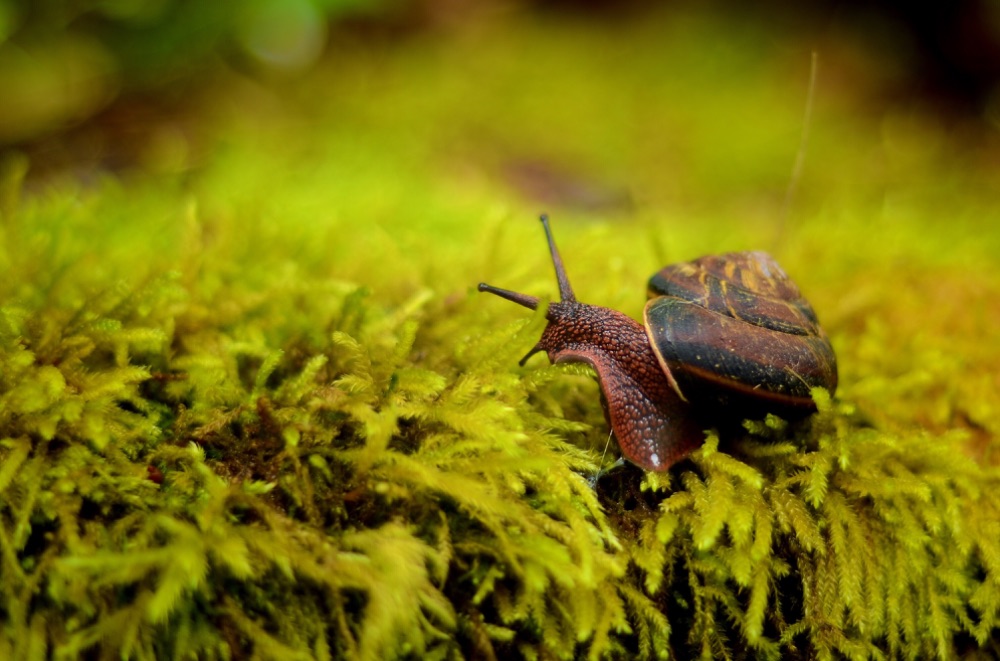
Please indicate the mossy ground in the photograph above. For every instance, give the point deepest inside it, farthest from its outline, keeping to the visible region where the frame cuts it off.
(251, 406)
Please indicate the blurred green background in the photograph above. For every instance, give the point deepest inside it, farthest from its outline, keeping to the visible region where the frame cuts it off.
(407, 146)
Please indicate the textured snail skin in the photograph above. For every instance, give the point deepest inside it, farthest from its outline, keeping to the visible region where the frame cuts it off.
(654, 428)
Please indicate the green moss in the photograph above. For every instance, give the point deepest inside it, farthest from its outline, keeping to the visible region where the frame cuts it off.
(255, 409)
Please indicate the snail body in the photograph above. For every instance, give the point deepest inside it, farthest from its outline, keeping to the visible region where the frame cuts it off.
(725, 335)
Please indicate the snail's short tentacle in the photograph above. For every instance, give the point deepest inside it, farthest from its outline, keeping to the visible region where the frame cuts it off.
(525, 300)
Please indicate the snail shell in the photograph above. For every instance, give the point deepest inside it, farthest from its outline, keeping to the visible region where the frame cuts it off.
(733, 329)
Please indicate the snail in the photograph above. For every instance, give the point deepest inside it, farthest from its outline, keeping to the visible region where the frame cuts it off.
(726, 337)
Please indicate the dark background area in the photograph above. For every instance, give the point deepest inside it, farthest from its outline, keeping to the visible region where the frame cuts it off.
(118, 64)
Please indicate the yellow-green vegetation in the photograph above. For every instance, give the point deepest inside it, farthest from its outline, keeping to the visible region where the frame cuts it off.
(251, 407)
